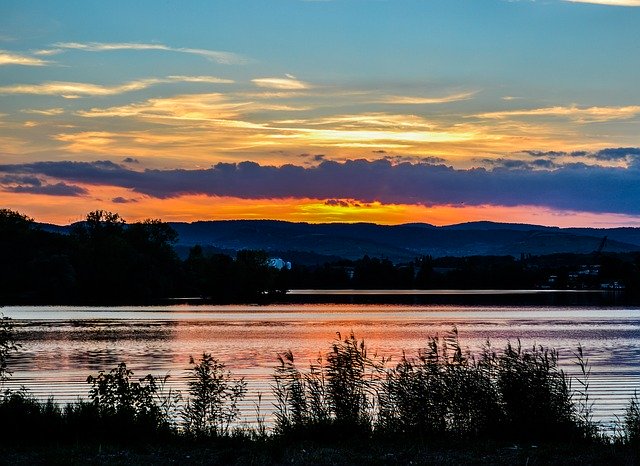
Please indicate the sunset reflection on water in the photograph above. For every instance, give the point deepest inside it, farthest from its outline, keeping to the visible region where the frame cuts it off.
(61, 346)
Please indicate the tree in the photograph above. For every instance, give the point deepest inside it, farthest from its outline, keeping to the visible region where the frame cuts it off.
(7, 345)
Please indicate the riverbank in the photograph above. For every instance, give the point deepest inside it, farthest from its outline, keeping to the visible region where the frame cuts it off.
(278, 452)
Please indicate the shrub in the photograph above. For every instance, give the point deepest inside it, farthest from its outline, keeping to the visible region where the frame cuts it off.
(21, 414)
(301, 399)
(336, 399)
(352, 382)
(631, 426)
(536, 394)
(443, 392)
(212, 406)
(119, 403)
(7, 345)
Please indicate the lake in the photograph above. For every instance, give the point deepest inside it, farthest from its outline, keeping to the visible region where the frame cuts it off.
(61, 346)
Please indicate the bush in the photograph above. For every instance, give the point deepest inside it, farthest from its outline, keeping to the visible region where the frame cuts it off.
(442, 393)
(536, 394)
(336, 399)
(7, 345)
(212, 407)
(21, 414)
(120, 404)
(631, 427)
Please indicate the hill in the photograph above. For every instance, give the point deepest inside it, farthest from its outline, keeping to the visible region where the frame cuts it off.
(314, 243)
(403, 242)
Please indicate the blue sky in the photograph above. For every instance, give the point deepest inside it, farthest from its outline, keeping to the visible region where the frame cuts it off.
(466, 84)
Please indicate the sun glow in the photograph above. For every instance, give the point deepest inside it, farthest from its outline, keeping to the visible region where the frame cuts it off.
(135, 207)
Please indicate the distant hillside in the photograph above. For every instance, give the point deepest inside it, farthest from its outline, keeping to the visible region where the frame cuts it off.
(403, 242)
(315, 242)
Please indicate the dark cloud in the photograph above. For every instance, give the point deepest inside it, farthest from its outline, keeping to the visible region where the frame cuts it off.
(131, 160)
(314, 157)
(610, 154)
(543, 163)
(123, 200)
(336, 203)
(58, 189)
(20, 179)
(344, 203)
(571, 187)
(414, 159)
(517, 164)
(621, 153)
(540, 153)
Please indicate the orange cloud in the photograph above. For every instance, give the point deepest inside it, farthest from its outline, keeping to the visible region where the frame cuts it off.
(133, 207)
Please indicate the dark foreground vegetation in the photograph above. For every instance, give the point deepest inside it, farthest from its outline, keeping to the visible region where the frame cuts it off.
(442, 406)
(139, 260)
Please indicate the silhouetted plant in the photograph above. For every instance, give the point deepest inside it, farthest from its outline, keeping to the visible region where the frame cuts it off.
(22, 416)
(339, 396)
(7, 345)
(214, 395)
(631, 426)
(444, 392)
(536, 393)
(119, 398)
(582, 398)
(352, 382)
(301, 398)
(292, 409)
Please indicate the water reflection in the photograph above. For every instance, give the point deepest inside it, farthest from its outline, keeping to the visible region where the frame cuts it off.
(61, 346)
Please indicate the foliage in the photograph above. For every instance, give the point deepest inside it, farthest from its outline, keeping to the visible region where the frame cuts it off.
(301, 399)
(20, 413)
(105, 260)
(631, 426)
(516, 394)
(212, 406)
(116, 395)
(338, 396)
(536, 394)
(443, 392)
(582, 398)
(7, 345)
(351, 381)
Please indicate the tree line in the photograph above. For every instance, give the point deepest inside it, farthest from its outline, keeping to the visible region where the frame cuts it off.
(104, 260)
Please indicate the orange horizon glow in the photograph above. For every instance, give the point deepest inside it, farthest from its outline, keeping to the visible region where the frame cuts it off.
(190, 208)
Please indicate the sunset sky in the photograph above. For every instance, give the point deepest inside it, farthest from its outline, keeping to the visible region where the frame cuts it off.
(437, 111)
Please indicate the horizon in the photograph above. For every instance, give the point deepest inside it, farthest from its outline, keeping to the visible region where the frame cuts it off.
(409, 224)
(331, 111)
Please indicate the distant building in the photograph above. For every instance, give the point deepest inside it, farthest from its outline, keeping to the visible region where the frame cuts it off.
(278, 263)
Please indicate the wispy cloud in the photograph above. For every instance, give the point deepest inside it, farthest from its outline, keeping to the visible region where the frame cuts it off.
(47, 52)
(414, 100)
(287, 83)
(609, 2)
(72, 90)
(200, 79)
(214, 108)
(226, 58)
(574, 113)
(44, 111)
(10, 58)
(193, 107)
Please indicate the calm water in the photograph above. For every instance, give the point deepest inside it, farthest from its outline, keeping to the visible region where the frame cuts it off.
(61, 346)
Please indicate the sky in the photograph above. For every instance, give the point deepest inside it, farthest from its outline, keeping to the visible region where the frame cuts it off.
(435, 111)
